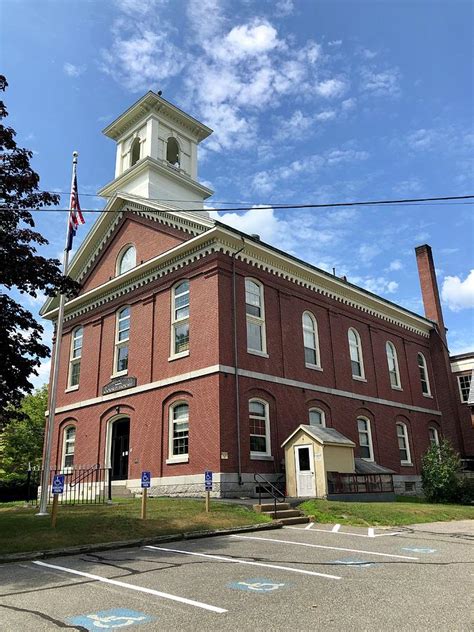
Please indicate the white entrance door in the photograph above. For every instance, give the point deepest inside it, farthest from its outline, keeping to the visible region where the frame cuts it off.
(305, 478)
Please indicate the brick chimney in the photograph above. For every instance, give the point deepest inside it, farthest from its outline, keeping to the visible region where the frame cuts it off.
(429, 287)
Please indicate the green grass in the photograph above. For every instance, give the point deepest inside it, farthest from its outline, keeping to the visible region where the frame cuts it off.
(21, 530)
(383, 514)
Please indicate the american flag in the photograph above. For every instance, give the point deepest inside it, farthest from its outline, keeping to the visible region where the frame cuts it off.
(75, 216)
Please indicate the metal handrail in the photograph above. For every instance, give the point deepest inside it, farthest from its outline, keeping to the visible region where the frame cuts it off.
(84, 475)
(277, 494)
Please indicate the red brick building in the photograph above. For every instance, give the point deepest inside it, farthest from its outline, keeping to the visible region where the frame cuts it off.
(192, 346)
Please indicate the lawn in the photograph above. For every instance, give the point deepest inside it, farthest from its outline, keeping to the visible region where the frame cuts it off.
(21, 530)
(383, 514)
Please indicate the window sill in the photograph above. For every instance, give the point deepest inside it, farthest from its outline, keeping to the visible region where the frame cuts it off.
(72, 388)
(314, 367)
(397, 388)
(177, 356)
(406, 464)
(119, 374)
(366, 459)
(262, 354)
(359, 378)
(261, 457)
(178, 459)
(428, 395)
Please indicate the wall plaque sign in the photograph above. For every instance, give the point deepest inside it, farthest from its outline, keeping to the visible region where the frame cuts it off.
(119, 384)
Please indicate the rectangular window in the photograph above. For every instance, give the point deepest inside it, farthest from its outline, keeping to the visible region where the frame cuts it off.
(179, 430)
(180, 319)
(402, 435)
(69, 445)
(259, 428)
(122, 336)
(464, 382)
(365, 439)
(75, 357)
(255, 315)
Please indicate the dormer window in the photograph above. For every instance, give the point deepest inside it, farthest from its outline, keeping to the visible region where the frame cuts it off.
(126, 260)
(172, 151)
(135, 151)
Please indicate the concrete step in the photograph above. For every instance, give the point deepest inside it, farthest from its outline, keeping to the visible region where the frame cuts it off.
(296, 520)
(120, 491)
(270, 507)
(285, 513)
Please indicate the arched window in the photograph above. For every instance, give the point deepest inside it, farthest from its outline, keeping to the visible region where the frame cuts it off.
(122, 336)
(393, 370)
(259, 427)
(179, 432)
(425, 382)
(180, 319)
(126, 260)
(365, 439)
(355, 350)
(403, 444)
(135, 151)
(310, 340)
(75, 355)
(317, 417)
(69, 440)
(172, 151)
(255, 314)
(433, 435)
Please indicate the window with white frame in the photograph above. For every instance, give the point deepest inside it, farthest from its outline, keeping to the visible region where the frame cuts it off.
(122, 336)
(135, 151)
(255, 314)
(179, 431)
(69, 441)
(433, 435)
(393, 369)
(424, 380)
(365, 439)
(259, 426)
(126, 260)
(355, 350)
(317, 417)
(180, 319)
(403, 444)
(311, 341)
(75, 357)
(464, 382)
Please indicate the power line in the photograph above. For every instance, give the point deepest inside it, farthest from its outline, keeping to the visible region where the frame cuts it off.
(444, 200)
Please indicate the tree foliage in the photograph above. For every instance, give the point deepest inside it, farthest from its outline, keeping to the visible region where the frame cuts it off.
(22, 440)
(440, 467)
(22, 269)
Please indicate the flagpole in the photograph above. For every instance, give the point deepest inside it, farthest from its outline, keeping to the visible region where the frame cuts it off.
(46, 475)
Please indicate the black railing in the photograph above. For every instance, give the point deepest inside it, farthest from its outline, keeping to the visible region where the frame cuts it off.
(85, 486)
(339, 483)
(274, 490)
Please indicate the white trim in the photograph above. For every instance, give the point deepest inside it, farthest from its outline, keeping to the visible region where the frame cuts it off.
(313, 330)
(176, 458)
(75, 360)
(425, 372)
(463, 401)
(108, 442)
(435, 437)
(179, 322)
(255, 455)
(64, 467)
(69, 389)
(221, 368)
(125, 342)
(120, 256)
(261, 354)
(391, 353)
(313, 367)
(183, 354)
(360, 355)
(322, 415)
(466, 364)
(258, 321)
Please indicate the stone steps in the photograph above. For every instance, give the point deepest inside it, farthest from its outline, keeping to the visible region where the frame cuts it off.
(284, 513)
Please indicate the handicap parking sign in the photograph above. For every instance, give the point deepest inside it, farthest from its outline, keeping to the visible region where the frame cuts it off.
(58, 484)
(110, 619)
(208, 481)
(146, 478)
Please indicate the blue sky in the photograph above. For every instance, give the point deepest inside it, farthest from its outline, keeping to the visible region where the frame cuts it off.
(311, 101)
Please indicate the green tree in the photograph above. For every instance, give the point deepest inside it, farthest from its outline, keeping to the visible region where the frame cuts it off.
(22, 438)
(440, 467)
(21, 269)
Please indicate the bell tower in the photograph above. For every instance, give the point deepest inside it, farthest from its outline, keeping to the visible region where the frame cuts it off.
(157, 154)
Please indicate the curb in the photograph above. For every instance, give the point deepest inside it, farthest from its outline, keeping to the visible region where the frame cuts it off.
(122, 544)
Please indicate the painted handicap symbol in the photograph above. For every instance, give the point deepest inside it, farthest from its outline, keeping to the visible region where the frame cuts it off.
(110, 619)
(258, 585)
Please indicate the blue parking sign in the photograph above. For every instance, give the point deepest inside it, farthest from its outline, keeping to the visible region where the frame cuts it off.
(146, 478)
(58, 484)
(208, 480)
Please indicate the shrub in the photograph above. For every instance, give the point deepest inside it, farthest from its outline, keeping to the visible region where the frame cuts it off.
(440, 467)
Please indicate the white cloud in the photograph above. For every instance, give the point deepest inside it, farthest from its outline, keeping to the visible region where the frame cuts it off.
(284, 8)
(335, 43)
(458, 294)
(331, 88)
(367, 252)
(377, 285)
(422, 139)
(348, 104)
(382, 83)
(409, 186)
(395, 265)
(248, 40)
(72, 70)
(327, 115)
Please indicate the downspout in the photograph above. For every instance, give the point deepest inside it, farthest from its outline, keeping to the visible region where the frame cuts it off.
(236, 362)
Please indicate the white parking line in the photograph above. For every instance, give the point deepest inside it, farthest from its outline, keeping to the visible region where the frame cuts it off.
(357, 535)
(321, 546)
(150, 591)
(336, 528)
(239, 561)
(308, 526)
(371, 533)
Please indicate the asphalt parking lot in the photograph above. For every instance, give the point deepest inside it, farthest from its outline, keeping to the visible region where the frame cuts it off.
(295, 578)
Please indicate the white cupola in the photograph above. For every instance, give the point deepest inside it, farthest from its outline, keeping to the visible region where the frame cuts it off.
(157, 154)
